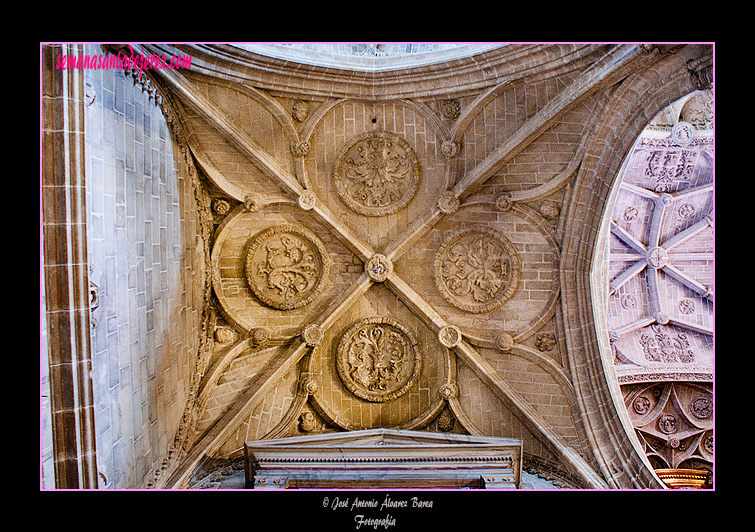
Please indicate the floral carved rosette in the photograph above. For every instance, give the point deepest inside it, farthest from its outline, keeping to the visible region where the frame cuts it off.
(286, 266)
(377, 173)
(378, 359)
(477, 270)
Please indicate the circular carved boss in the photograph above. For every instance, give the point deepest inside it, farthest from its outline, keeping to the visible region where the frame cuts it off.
(376, 173)
(286, 266)
(477, 269)
(378, 359)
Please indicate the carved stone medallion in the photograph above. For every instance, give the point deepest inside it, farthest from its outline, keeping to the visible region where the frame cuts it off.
(378, 359)
(449, 336)
(377, 173)
(379, 267)
(286, 266)
(477, 269)
(701, 407)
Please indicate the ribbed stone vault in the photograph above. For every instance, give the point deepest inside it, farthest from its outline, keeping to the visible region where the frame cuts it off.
(400, 248)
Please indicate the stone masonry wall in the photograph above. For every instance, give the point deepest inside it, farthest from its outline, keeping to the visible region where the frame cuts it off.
(145, 265)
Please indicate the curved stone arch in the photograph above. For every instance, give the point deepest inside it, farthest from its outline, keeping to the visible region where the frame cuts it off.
(467, 116)
(551, 368)
(273, 106)
(270, 104)
(212, 376)
(557, 373)
(633, 104)
(266, 102)
(248, 150)
(315, 117)
(547, 231)
(430, 117)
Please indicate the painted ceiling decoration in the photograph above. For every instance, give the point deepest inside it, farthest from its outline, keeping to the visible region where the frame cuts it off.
(409, 248)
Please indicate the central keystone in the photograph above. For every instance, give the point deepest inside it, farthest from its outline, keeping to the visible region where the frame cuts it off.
(657, 257)
(379, 267)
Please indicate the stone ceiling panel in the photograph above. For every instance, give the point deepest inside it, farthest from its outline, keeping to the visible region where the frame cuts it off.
(661, 257)
(494, 270)
(277, 268)
(379, 365)
(401, 274)
(377, 166)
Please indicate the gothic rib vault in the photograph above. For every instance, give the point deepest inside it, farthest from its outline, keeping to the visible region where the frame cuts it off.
(411, 249)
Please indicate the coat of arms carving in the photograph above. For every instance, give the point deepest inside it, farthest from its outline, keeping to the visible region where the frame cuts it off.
(477, 269)
(378, 359)
(377, 173)
(662, 347)
(286, 266)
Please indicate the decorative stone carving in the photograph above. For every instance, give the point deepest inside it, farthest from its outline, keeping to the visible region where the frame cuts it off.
(448, 203)
(300, 149)
(550, 210)
(449, 148)
(641, 405)
(503, 202)
(307, 422)
(628, 302)
(661, 317)
(504, 342)
(224, 335)
(707, 443)
(701, 407)
(286, 266)
(661, 347)
(683, 133)
(377, 173)
(252, 202)
(477, 270)
(449, 336)
(657, 257)
(449, 391)
(307, 200)
(687, 306)
(669, 166)
(446, 421)
(221, 206)
(310, 386)
(378, 359)
(259, 337)
(300, 110)
(450, 109)
(667, 423)
(687, 210)
(313, 335)
(379, 268)
(545, 341)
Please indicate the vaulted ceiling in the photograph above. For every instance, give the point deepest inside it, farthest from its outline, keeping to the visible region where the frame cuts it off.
(411, 248)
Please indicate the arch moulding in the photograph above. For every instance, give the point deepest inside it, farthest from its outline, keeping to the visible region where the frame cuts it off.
(633, 103)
